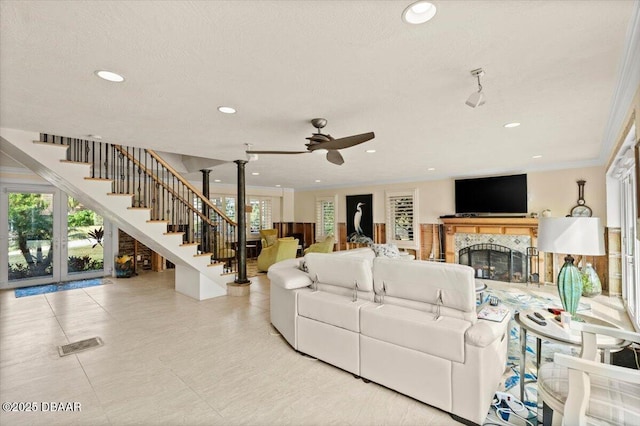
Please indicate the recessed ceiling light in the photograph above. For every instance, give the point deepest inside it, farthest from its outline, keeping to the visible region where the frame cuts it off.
(110, 76)
(255, 174)
(537, 156)
(511, 125)
(278, 186)
(217, 180)
(94, 136)
(370, 151)
(226, 110)
(431, 169)
(318, 181)
(419, 12)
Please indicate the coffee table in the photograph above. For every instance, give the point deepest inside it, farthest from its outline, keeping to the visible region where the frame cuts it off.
(556, 332)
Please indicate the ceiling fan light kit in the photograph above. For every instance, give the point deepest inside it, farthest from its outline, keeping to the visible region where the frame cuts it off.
(476, 98)
(320, 140)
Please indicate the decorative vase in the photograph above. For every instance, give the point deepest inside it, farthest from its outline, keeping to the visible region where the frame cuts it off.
(591, 285)
(570, 286)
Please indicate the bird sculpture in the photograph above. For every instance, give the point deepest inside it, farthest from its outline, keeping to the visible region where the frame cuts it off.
(357, 218)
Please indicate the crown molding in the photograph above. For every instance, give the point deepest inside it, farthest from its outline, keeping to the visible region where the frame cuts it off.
(626, 87)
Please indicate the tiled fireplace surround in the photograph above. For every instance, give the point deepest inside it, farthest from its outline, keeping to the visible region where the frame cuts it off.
(517, 234)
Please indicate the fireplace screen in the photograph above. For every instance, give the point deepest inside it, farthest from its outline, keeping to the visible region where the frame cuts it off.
(495, 262)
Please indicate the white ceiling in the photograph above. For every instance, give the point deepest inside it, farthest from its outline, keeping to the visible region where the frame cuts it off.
(554, 66)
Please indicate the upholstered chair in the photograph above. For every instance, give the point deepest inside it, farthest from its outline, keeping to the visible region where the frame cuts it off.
(284, 248)
(325, 246)
(268, 237)
(582, 391)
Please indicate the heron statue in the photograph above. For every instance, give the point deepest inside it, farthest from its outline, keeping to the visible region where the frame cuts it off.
(357, 218)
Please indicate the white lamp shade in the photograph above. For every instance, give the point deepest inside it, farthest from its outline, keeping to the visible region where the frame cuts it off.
(571, 235)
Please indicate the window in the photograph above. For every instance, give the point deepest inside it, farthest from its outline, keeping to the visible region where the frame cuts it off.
(401, 219)
(260, 217)
(325, 217)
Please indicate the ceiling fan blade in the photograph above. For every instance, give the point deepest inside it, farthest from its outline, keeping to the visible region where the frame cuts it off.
(335, 157)
(277, 152)
(344, 142)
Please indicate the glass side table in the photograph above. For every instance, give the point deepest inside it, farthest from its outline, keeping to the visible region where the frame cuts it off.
(556, 332)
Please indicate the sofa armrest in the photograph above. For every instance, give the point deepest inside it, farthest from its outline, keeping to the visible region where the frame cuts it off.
(289, 278)
(483, 332)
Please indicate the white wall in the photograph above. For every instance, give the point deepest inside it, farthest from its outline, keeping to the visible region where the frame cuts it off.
(555, 190)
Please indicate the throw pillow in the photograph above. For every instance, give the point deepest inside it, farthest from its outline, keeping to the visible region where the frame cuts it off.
(386, 250)
(271, 240)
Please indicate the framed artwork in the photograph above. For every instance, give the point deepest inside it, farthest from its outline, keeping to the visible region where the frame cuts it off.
(360, 218)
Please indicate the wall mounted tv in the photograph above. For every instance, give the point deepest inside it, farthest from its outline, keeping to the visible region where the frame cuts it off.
(492, 195)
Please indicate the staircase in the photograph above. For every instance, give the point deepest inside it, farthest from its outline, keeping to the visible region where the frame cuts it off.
(141, 194)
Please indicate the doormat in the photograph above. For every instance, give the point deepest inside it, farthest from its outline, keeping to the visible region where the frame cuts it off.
(82, 345)
(52, 288)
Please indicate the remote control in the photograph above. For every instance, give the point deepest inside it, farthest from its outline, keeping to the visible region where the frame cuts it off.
(536, 320)
(539, 315)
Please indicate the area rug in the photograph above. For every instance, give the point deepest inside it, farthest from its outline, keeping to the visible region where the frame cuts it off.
(518, 300)
(52, 288)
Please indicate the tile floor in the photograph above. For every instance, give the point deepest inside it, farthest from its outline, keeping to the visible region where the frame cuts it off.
(168, 359)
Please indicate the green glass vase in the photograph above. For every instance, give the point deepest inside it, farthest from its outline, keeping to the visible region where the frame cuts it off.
(591, 285)
(570, 286)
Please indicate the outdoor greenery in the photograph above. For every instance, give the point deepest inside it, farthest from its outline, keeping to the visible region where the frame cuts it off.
(31, 232)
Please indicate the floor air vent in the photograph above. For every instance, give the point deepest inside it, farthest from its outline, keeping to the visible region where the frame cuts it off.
(82, 345)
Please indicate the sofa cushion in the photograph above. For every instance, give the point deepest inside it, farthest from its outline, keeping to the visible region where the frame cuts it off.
(423, 281)
(289, 278)
(415, 329)
(341, 271)
(362, 252)
(331, 309)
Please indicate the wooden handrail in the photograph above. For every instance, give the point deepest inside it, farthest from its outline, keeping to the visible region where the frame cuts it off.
(179, 178)
(191, 187)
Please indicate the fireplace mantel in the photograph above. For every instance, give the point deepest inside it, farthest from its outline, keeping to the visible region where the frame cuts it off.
(486, 225)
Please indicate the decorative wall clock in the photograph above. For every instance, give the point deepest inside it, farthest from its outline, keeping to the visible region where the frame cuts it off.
(581, 209)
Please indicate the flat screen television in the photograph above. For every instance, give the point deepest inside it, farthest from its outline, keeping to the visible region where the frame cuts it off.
(492, 195)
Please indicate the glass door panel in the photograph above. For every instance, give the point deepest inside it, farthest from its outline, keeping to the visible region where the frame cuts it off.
(31, 239)
(85, 239)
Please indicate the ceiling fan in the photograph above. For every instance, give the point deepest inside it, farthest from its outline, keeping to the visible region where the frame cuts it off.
(321, 141)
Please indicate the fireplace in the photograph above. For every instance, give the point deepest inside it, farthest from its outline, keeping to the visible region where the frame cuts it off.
(496, 262)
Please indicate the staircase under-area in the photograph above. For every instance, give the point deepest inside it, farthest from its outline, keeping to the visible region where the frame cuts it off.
(142, 195)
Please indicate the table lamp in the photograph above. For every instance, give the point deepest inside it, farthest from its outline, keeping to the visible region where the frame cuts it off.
(571, 235)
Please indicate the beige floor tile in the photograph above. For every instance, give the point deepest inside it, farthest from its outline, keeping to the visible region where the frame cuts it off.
(168, 359)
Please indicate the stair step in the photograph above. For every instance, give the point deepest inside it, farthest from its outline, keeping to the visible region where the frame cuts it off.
(115, 194)
(215, 264)
(99, 179)
(157, 221)
(173, 233)
(75, 162)
(139, 208)
(202, 254)
(51, 144)
(188, 244)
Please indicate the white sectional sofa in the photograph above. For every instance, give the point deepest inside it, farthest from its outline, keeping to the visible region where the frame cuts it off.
(410, 326)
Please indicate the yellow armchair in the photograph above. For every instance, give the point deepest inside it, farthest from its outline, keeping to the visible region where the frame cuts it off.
(268, 237)
(325, 246)
(284, 248)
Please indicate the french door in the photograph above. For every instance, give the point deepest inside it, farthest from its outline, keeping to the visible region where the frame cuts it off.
(48, 237)
(630, 249)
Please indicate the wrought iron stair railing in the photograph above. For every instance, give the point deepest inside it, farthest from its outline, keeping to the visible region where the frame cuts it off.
(155, 185)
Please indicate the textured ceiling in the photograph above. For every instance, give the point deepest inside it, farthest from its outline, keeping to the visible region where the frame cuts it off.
(551, 65)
